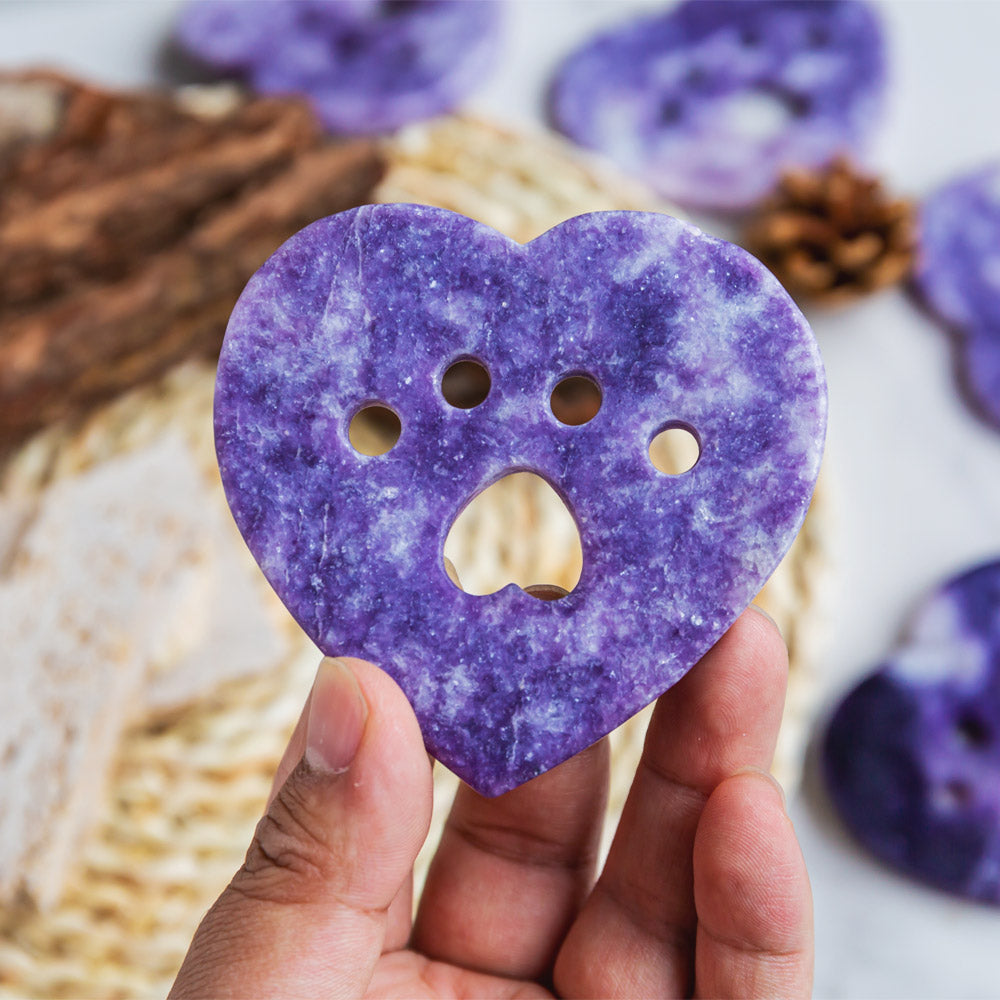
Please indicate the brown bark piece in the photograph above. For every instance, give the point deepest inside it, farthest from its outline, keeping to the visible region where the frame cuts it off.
(108, 279)
(98, 135)
(99, 230)
(99, 339)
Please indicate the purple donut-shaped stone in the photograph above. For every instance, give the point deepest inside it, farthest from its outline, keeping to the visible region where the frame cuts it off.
(912, 755)
(957, 275)
(676, 328)
(711, 101)
(366, 65)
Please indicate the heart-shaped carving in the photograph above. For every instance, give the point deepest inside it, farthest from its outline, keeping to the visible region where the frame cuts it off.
(374, 306)
(912, 755)
(958, 276)
(364, 66)
(711, 102)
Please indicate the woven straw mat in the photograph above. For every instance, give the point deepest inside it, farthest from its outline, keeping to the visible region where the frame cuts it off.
(187, 791)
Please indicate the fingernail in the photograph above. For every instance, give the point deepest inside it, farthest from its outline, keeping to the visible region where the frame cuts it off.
(337, 716)
(761, 773)
(768, 616)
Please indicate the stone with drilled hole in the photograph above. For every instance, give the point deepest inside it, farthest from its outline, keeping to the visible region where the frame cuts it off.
(912, 755)
(375, 305)
(958, 276)
(366, 65)
(710, 102)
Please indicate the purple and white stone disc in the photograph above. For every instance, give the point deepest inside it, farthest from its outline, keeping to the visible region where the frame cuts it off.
(676, 328)
(912, 755)
(711, 101)
(366, 65)
(957, 275)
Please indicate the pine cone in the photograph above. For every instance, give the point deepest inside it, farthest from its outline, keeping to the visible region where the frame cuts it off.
(833, 235)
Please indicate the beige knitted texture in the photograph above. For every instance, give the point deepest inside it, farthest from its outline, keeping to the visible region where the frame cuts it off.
(187, 790)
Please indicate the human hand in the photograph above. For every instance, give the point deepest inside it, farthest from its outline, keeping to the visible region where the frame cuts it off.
(704, 890)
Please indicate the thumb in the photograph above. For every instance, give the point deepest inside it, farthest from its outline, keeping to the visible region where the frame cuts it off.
(308, 913)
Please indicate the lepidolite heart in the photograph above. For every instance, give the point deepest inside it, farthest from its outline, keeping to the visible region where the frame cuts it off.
(677, 329)
(711, 102)
(365, 65)
(957, 275)
(912, 755)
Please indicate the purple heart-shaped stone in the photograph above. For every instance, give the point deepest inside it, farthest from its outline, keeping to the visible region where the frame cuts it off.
(957, 275)
(366, 65)
(912, 755)
(710, 102)
(676, 328)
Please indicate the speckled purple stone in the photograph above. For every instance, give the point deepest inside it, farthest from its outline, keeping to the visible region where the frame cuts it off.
(912, 755)
(710, 101)
(374, 305)
(367, 65)
(958, 276)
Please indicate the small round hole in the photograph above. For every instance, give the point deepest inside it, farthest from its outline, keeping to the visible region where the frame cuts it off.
(973, 731)
(465, 384)
(818, 36)
(346, 45)
(374, 430)
(799, 105)
(576, 400)
(953, 794)
(670, 112)
(696, 76)
(675, 450)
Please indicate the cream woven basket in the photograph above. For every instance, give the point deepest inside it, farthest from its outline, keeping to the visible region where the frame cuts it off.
(187, 790)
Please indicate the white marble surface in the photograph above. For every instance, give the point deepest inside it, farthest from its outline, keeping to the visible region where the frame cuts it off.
(916, 477)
